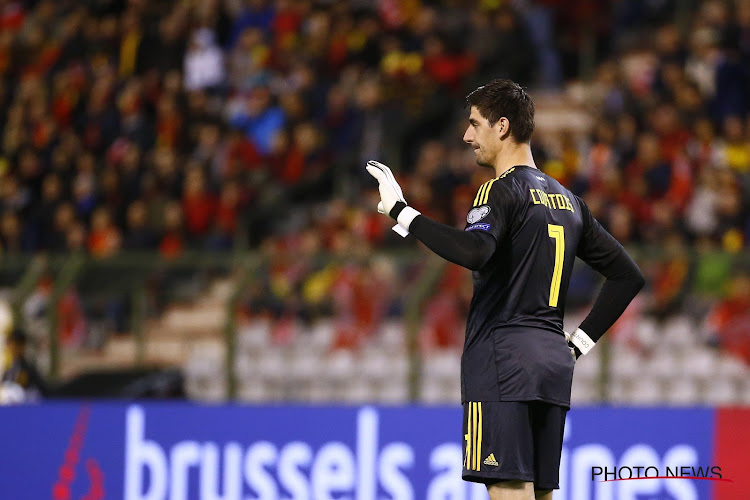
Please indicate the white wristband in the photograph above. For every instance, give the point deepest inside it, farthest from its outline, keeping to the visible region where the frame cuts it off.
(582, 341)
(406, 217)
(400, 231)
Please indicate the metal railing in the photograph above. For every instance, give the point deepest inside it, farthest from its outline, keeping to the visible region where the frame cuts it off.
(127, 276)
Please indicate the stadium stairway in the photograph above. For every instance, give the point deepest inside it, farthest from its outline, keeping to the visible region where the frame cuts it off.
(171, 340)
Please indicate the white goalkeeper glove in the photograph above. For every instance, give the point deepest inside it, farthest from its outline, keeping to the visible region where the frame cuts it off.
(571, 347)
(390, 194)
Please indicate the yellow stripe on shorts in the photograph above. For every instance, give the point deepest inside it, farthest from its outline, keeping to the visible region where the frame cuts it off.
(479, 439)
(473, 437)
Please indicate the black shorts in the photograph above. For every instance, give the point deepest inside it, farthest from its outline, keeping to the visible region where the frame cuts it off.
(513, 440)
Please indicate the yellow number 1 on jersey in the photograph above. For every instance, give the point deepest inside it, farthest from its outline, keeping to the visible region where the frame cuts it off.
(558, 234)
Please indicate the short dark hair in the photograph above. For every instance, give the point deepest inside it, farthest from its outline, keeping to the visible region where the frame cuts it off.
(506, 98)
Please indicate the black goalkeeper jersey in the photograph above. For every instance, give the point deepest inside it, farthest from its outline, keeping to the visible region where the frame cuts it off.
(515, 349)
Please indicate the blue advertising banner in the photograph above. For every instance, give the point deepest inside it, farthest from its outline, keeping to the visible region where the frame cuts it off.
(176, 451)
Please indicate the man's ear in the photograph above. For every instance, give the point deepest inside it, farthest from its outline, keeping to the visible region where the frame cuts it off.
(503, 128)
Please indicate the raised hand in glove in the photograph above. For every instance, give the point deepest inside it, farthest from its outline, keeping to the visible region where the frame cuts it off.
(390, 195)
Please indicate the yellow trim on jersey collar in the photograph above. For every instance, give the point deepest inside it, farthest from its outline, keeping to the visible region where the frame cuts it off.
(483, 194)
(511, 169)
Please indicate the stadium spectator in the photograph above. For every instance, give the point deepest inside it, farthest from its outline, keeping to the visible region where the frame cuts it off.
(172, 242)
(204, 62)
(444, 315)
(729, 319)
(11, 241)
(260, 118)
(734, 151)
(20, 370)
(138, 235)
(104, 239)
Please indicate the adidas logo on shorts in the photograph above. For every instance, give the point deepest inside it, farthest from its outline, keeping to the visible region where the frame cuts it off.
(491, 460)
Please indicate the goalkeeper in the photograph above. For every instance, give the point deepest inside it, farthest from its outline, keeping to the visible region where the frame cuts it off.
(521, 239)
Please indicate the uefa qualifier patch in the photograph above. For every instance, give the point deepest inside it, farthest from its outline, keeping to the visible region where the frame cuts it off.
(477, 214)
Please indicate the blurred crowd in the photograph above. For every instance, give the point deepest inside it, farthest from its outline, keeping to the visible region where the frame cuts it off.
(160, 125)
(217, 124)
